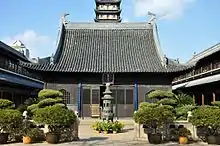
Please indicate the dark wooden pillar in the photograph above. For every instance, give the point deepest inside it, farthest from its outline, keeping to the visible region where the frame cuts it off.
(1, 94)
(203, 99)
(213, 97)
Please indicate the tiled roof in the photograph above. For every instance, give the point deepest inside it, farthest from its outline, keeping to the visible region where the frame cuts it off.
(207, 52)
(107, 47)
(12, 52)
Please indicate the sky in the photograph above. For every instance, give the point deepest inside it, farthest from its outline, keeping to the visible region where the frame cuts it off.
(184, 26)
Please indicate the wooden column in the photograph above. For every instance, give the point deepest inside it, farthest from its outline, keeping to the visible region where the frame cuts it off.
(45, 85)
(213, 97)
(1, 94)
(203, 100)
(194, 99)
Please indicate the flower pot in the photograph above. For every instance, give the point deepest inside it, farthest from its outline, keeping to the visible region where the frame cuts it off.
(155, 138)
(27, 140)
(212, 139)
(52, 138)
(3, 138)
(183, 140)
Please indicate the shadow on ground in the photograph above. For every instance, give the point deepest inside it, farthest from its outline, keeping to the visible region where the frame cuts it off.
(94, 139)
(127, 130)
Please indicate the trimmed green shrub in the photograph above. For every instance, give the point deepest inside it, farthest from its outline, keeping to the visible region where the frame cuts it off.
(147, 104)
(10, 119)
(22, 108)
(216, 103)
(182, 111)
(5, 104)
(32, 108)
(159, 114)
(207, 117)
(54, 116)
(167, 101)
(159, 94)
(49, 93)
(184, 99)
(49, 102)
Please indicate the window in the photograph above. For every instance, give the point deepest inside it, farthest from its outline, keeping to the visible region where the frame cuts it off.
(66, 96)
(86, 96)
(129, 96)
(95, 96)
(120, 96)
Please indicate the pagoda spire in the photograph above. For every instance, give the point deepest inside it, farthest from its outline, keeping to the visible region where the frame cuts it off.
(108, 11)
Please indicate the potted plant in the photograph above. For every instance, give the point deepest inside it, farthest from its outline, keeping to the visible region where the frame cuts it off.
(105, 127)
(9, 120)
(54, 119)
(209, 118)
(97, 127)
(117, 127)
(183, 135)
(153, 116)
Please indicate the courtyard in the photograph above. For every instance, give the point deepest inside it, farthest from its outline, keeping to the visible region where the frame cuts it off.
(90, 138)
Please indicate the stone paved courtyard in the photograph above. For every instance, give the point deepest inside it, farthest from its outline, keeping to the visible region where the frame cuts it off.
(90, 138)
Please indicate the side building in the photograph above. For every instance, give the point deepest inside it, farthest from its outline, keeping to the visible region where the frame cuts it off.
(202, 78)
(16, 82)
(88, 55)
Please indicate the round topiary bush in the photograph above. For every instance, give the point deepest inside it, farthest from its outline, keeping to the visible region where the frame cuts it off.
(49, 93)
(10, 119)
(54, 116)
(6, 104)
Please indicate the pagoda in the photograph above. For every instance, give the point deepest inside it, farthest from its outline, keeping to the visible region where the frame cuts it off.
(108, 11)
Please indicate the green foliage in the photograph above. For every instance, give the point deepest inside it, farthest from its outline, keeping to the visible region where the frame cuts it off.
(49, 102)
(216, 103)
(49, 93)
(184, 132)
(182, 111)
(159, 94)
(5, 104)
(54, 116)
(117, 126)
(159, 114)
(22, 108)
(147, 104)
(108, 126)
(36, 134)
(10, 119)
(32, 108)
(167, 101)
(184, 99)
(208, 117)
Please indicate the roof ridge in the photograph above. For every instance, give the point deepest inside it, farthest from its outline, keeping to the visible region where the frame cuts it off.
(122, 25)
(205, 53)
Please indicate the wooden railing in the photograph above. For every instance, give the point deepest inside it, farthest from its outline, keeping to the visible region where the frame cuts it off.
(199, 71)
(16, 68)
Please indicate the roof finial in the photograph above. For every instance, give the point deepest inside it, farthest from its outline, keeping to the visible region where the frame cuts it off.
(63, 18)
(52, 59)
(153, 17)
